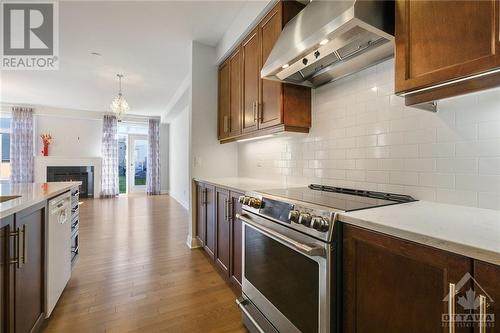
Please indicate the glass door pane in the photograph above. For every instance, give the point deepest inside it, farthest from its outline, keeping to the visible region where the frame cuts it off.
(138, 159)
(122, 163)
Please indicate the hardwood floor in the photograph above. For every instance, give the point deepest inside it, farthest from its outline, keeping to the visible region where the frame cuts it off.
(135, 273)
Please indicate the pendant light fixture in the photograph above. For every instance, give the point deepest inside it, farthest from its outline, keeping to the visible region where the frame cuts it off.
(119, 105)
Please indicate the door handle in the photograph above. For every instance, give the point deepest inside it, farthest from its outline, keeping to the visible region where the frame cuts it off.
(254, 108)
(313, 251)
(241, 303)
(225, 210)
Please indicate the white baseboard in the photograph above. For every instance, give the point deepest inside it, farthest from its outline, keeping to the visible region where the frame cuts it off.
(192, 243)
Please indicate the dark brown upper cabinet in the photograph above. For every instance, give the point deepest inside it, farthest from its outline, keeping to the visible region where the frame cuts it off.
(235, 91)
(251, 81)
(445, 43)
(224, 100)
(265, 107)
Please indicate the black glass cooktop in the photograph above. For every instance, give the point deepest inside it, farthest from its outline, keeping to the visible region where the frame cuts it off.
(339, 198)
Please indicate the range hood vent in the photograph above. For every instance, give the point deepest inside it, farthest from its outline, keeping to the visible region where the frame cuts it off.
(331, 39)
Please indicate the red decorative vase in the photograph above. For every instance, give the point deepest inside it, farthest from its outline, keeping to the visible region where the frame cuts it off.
(45, 150)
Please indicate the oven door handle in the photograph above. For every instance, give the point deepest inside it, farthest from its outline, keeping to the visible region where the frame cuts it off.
(313, 251)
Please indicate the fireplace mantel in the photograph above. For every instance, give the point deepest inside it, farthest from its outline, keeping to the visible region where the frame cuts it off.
(42, 162)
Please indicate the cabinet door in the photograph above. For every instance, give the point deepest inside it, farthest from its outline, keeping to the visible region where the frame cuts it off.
(6, 274)
(271, 101)
(235, 91)
(393, 286)
(29, 277)
(251, 81)
(224, 100)
(487, 277)
(222, 222)
(438, 41)
(236, 234)
(210, 220)
(200, 213)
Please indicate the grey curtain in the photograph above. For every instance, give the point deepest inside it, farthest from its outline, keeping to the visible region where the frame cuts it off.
(109, 157)
(153, 172)
(21, 145)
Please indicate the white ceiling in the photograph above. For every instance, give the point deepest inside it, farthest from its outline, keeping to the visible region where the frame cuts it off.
(148, 41)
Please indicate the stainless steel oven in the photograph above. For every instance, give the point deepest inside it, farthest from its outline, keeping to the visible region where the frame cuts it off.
(287, 277)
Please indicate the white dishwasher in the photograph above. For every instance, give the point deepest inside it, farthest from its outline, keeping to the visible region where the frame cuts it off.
(58, 248)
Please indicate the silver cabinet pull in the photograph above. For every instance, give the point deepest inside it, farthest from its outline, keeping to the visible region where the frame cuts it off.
(230, 209)
(241, 304)
(482, 314)
(451, 308)
(226, 210)
(313, 251)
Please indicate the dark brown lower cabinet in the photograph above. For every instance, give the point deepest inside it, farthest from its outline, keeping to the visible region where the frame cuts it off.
(210, 220)
(201, 213)
(222, 255)
(216, 224)
(6, 275)
(236, 241)
(392, 285)
(487, 277)
(22, 270)
(29, 276)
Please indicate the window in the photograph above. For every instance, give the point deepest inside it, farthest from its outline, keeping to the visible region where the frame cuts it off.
(5, 147)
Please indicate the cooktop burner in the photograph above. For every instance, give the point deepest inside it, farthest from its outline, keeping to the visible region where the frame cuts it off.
(339, 198)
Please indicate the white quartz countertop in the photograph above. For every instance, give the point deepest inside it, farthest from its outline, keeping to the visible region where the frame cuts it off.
(30, 194)
(243, 184)
(469, 231)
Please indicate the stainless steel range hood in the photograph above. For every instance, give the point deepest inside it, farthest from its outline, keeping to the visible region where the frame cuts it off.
(330, 39)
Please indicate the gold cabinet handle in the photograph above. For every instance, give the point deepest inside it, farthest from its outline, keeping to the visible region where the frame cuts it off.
(451, 308)
(15, 260)
(254, 112)
(482, 314)
(226, 126)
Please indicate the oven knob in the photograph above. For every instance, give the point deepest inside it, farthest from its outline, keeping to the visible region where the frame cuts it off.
(255, 203)
(293, 216)
(316, 222)
(324, 225)
(241, 199)
(305, 219)
(246, 200)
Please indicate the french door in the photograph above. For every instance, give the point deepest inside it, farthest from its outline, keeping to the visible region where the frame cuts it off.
(137, 158)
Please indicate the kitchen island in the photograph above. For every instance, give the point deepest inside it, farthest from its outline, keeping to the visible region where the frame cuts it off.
(24, 249)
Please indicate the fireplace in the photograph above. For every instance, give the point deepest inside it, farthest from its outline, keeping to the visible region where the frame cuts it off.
(84, 174)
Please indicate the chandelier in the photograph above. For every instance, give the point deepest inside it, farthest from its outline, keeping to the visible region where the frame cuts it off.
(119, 105)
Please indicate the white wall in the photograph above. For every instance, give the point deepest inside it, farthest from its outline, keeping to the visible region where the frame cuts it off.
(251, 13)
(209, 157)
(73, 136)
(179, 159)
(164, 161)
(363, 136)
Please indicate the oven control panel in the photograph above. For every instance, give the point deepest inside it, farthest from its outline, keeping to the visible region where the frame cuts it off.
(301, 217)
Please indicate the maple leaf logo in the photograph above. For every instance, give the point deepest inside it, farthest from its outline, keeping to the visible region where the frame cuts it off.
(470, 301)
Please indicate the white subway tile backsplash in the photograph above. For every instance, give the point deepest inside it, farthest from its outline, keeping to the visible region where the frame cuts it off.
(367, 138)
(457, 165)
(439, 180)
(489, 166)
(403, 178)
(437, 150)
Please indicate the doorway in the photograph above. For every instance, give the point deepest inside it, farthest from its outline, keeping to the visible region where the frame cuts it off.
(132, 158)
